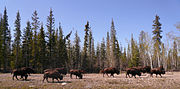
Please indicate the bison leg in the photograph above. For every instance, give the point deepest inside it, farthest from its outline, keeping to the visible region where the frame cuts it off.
(13, 77)
(112, 74)
(16, 77)
(76, 76)
(57, 79)
(126, 75)
(26, 77)
(47, 79)
(134, 76)
(107, 74)
(160, 75)
(53, 80)
(44, 79)
(151, 75)
(156, 75)
(71, 75)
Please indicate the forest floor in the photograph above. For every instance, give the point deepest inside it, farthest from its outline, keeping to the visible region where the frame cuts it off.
(171, 80)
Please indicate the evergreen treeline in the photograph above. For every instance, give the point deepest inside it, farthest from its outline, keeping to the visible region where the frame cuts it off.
(34, 47)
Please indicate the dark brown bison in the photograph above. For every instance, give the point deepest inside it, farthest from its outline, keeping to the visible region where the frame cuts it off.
(60, 70)
(133, 71)
(78, 73)
(110, 70)
(23, 72)
(54, 74)
(145, 69)
(29, 70)
(159, 70)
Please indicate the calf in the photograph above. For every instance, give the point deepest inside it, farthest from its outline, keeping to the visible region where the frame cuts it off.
(133, 72)
(110, 70)
(78, 73)
(159, 70)
(54, 74)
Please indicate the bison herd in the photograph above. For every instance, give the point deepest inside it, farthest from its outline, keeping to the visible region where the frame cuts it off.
(58, 73)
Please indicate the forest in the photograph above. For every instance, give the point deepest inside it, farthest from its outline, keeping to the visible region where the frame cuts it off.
(41, 46)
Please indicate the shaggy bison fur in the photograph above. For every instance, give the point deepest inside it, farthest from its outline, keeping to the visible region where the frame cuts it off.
(23, 72)
(110, 70)
(60, 70)
(54, 74)
(158, 71)
(133, 72)
(78, 73)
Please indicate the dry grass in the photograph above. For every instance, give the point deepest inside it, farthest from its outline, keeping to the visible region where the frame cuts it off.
(94, 81)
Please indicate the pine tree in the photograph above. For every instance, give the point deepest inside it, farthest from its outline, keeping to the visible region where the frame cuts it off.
(108, 50)
(35, 27)
(90, 56)
(102, 54)
(124, 62)
(118, 54)
(85, 49)
(17, 40)
(157, 39)
(134, 53)
(113, 45)
(26, 45)
(42, 49)
(77, 60)
(50, 28)
(98, 65)
(5, 40)
(53, 50)
(0, 40)
(93, 56)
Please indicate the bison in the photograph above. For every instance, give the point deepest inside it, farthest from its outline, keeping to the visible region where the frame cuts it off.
(145, 69)
(133, 72)
(110, 70)
(60, 70)
(159, 70)
(23, 72)
(78, 73)
(54, 74)
(29, 70)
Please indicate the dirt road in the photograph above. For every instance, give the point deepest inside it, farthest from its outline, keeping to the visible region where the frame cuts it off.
(93, 81)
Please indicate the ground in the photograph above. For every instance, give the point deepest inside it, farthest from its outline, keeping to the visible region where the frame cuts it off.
(171, 80)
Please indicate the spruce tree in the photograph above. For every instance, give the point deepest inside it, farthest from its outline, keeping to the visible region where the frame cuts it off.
(102, 54)
(0, 41)
(113, 44)
(42, 50)
(26, 45)
(5, 38)
(85, 49)
(108, 50)
(77, 60)
(50, 28)
(157, 39)
(35, 26)
(17, 40)
(134, 53)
